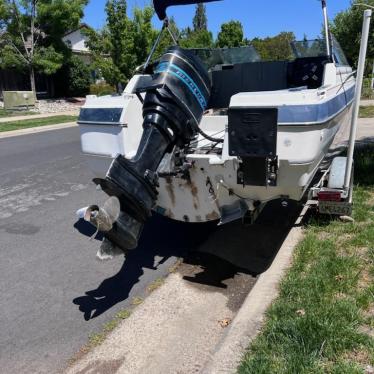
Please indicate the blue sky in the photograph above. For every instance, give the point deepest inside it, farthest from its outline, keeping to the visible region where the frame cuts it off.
(259, 18)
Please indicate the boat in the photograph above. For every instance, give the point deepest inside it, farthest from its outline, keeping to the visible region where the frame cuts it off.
(213, 134)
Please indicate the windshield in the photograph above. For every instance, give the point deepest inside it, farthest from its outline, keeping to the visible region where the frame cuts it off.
(212, 57)
(316, 48)
(339, 56)
(309, 48)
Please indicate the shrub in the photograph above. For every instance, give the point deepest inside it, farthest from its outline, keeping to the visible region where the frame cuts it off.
(101, 89)
(78, 77)
(367, 89)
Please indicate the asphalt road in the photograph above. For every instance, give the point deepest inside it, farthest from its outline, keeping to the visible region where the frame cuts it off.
(54, 293)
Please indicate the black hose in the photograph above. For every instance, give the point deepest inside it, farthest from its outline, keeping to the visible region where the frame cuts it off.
(206, 136)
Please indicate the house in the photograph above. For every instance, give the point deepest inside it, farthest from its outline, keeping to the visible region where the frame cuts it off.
(46, 86)
(77, 41)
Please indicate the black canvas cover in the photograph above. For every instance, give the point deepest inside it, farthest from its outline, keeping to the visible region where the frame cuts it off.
(161, 5)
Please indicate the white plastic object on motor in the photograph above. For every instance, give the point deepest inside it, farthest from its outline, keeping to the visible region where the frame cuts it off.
(81, 213)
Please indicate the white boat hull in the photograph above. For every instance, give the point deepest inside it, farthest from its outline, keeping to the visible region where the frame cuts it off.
(212, 184)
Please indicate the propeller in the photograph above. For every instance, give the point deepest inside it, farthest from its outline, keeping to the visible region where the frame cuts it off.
(104, 218)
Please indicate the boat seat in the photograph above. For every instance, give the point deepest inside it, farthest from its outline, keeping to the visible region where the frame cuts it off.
(228, 80)
(306, 71)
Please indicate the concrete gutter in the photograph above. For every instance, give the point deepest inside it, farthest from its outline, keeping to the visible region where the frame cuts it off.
(251, 316)
(172, 331)
(35, 130)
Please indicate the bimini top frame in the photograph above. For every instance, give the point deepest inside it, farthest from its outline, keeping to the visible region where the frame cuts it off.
(162, 5)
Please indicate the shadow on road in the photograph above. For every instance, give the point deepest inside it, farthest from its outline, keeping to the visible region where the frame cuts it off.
(252, 248)
(218, 253)
(161, 238)
(86, 229)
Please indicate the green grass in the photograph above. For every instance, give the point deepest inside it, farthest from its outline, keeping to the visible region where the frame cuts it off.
(136, 301)
(7, 113)
(367, 90)
(153, 286)
(319, 322)
(98, 338)
(367, 111)
(17, 125)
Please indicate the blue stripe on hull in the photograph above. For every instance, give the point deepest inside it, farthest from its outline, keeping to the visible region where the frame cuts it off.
(316, 113)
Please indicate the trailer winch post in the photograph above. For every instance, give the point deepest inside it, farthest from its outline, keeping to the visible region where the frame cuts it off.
(356, 103)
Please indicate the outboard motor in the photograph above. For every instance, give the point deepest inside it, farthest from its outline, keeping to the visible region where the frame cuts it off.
(173, 107)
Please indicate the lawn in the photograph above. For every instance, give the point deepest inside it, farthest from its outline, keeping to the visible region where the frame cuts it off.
(37, 122)
(7, 113)
(367, 111)
(323, 319)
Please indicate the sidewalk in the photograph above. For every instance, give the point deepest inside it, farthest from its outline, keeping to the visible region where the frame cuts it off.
(365, 131)
(367, 102)
(36, 116)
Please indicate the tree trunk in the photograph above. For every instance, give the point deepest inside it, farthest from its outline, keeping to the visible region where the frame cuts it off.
(32, 29)
(32, 81)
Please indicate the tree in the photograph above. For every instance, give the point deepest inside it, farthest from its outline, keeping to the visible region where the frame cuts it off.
(145, 34)
(199, 36)
(121, 37)
(231, 35)
(166, 40)
(200, 21)
(123, 44)
(347, 27)
(192, 39)
(31, 33)
(275, 48)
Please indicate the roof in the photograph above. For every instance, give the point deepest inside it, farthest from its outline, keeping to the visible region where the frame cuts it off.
(81, 26)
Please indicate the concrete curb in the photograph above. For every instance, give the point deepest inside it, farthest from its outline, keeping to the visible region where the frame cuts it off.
(35, 130)
(251, 316)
